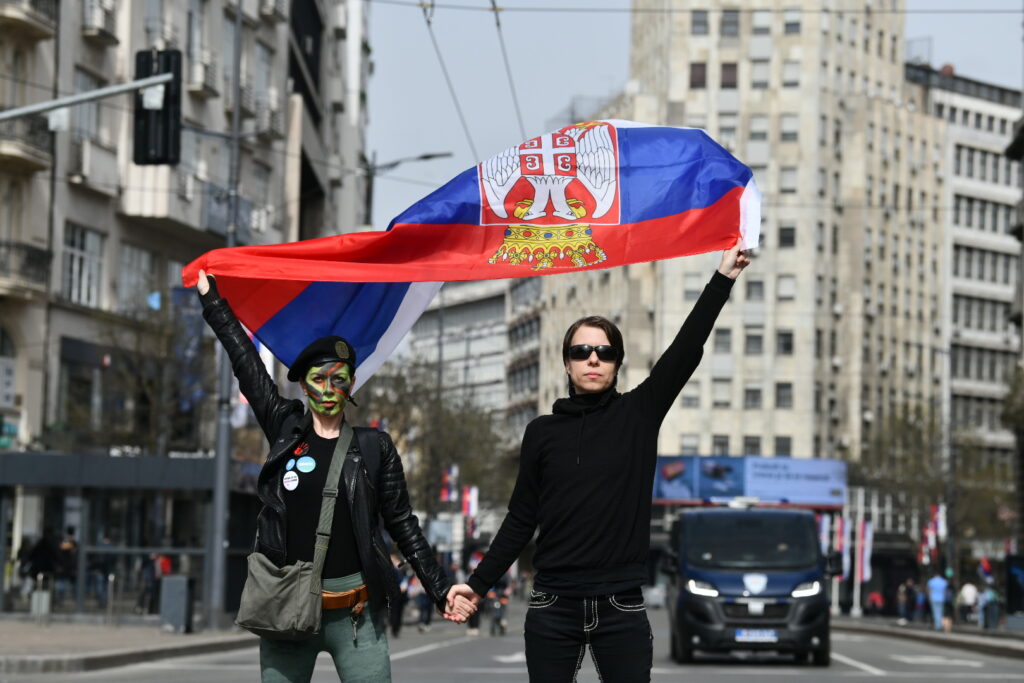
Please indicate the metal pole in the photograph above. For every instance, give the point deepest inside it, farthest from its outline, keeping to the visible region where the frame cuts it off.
(858, 547)
(85, 96)
(218, 564)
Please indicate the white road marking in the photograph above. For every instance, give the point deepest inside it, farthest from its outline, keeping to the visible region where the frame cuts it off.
(866, 668)
(514, 658)
(937, 660)
(433, 646)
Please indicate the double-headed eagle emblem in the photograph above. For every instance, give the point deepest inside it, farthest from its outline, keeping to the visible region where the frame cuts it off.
(544, 188)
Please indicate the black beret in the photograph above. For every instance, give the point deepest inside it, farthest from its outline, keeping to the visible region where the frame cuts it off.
(323, 350)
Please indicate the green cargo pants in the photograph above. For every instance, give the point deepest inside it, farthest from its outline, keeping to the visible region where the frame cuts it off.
(359, 647)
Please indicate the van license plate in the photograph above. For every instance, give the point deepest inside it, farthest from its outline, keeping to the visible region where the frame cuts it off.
(756, 635)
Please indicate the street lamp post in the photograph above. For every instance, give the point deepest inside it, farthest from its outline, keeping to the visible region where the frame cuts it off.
(371, 168)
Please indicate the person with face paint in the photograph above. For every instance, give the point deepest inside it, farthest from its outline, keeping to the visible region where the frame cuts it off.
(358, 577)
(586, 474)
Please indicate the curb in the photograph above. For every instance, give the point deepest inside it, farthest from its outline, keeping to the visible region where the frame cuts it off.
(993, 646)
(34, 664)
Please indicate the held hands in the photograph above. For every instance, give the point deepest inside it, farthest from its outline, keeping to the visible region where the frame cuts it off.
(733, 262)
(461, 603)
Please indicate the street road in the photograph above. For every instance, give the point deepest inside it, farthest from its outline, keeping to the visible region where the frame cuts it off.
(447, 655)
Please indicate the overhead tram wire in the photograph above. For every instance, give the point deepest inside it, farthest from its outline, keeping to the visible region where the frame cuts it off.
(508, 69)
(428, 17)
(680, 10)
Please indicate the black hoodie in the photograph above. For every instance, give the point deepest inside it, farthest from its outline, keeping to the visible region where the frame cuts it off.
(586, 473)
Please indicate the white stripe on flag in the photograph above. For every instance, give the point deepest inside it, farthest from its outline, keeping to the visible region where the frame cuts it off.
(416, 300)
(750, 215)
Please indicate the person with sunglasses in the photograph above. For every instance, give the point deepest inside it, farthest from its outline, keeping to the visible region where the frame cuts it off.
(585, 480)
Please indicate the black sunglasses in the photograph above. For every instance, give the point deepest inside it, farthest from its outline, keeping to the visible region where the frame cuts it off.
(604, 352)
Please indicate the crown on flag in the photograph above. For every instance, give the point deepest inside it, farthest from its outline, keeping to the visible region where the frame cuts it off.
(566, 246)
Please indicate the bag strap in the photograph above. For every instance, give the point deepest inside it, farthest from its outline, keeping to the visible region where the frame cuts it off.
(368, 439)
(330, 497)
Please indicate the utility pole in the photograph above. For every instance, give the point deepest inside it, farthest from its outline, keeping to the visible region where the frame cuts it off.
(222, 457)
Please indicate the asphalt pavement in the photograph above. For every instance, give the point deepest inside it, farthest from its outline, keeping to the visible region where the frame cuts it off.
(446, 654)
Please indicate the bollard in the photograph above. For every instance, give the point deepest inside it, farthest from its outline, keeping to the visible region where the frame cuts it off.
(40, 602)
(110, 598)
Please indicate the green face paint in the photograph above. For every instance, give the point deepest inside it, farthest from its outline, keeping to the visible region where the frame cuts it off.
(327, 387)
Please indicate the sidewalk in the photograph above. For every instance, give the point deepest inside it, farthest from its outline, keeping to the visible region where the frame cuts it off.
(998, 642)
(29, 647)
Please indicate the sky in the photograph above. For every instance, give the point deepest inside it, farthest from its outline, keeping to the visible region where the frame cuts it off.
(555, 57)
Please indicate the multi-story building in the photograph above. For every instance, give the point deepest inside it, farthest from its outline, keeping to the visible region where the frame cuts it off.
(982, 269)
(94, 245)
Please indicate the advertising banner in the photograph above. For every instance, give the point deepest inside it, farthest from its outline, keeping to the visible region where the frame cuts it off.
(809, 482)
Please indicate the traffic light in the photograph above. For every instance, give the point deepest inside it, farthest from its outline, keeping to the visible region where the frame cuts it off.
(158, 131)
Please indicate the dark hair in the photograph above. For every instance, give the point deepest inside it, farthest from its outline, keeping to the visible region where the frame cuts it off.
(601, 323)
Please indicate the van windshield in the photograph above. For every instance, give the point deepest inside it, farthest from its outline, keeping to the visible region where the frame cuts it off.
(749, 541)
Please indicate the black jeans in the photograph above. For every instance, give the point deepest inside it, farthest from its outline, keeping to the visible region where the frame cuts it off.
(558, 630)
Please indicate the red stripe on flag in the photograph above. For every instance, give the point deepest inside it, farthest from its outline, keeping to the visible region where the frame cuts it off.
(256, 301)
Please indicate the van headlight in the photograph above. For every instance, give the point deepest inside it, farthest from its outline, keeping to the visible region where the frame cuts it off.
(807, 589)
(702, 588)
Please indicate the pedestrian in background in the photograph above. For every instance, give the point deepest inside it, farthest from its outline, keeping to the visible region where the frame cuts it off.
(967, 600)
(920, 603)
(905, 601)
(67, 565)
(937, 587)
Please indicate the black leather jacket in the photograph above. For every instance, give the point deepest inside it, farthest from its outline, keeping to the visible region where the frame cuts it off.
(285, 423)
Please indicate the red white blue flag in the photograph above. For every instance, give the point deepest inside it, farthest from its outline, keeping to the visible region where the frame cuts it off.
(592, 195)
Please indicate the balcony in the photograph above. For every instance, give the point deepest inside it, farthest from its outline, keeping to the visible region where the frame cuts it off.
(251, 10)
(269, 116)
(24, 269)
(94, 167)
(248, 98)
(202, 75)
(26, 144)
(160, 198)
(99, 22)
(274, 10)
(29, 19)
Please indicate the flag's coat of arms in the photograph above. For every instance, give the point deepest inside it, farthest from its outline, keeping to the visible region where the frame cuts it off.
(592, 195)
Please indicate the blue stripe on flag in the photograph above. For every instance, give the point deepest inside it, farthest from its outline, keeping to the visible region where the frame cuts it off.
(360, 312)
(666, 177)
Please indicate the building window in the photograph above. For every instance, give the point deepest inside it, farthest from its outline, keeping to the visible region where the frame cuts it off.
(689, 444)
(791, 19)
(787, 236)
(789, 127)
(758, 127)
(783, 446)
(783, 395)
(720, 444)
(721, 393)
(691, 394)
(760, 73)
(753, 342)
(136, 280)
(692, 286)
(790, 74)
(730, 22)
(729, 75)
(698, 74)
(699, 22)
(785, 288)
(784, 343)
(727, 128)
(723, 340)
(751, 445)
(761, 22)
(85, 118)
(83, 265)
(752, 397)
(787, 180)
(755, 290)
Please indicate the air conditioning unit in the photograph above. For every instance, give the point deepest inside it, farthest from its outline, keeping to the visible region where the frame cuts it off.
(868, 416)
(883, 367)
(911, 369)
(844, 442)
(837, 309)
(837, 362)
(870, 310)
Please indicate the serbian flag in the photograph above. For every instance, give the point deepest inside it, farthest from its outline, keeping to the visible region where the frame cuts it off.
(592, 195)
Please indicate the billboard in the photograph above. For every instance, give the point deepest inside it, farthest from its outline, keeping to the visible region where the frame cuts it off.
(797, 481)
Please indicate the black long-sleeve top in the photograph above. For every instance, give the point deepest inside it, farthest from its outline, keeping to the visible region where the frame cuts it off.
(586, 474)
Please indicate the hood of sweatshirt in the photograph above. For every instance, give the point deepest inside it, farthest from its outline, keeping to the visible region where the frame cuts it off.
(583, 405)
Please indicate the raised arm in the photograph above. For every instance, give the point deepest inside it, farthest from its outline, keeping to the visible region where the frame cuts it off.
(680, 359)
(254, 381)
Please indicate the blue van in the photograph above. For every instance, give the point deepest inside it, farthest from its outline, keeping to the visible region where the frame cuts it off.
(748, 579)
